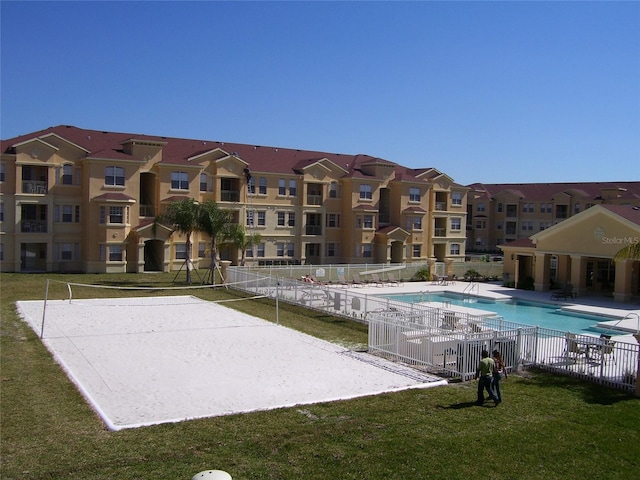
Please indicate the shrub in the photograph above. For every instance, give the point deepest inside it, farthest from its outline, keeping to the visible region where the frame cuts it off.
(422, 275)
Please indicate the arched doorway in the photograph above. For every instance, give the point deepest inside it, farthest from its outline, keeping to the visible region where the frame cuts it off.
(153, 255)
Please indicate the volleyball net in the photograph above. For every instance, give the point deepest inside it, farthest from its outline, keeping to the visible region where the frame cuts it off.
(99, 296)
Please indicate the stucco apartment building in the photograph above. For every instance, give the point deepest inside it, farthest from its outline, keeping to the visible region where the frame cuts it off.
(73, 199)
(501, 213)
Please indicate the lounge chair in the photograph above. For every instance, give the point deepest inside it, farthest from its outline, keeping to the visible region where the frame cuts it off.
(392, 279)
(356, 280)
(376, 279)
(342, 280)
(566, 292)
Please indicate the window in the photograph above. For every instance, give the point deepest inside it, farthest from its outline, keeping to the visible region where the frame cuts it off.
(262, 188)
(366, 192)
(527, 226)
(262, 218)
(179, 181)
(512, 210)
(2, 167)
(456, 198)
(1, 211)
(116, 214)
(511, 228)
(292, 219)
(114, 176)
(282, 189)
(115, 253)
(455, 224)
(333, 220)
(280, 249)
(455, 249)
(292, 188)
(66, 251)
(281, 219)
(1, 251)
(546, 208)
(499, 225)
(202, 249)
(333, 190)
(481, 224)
(204, 182)
(67, 174)
(414, 194)
(414, 223)
(66, 213)
(330, 249)
(181, 251)
(545, 225)
(415, 251)
(250, 218)
(251, 186)
(367, 250)
(261, 250)
(561, 211)
(480, 207)
(576, 208)
(499, 207)
(368, 221)
(290, 249)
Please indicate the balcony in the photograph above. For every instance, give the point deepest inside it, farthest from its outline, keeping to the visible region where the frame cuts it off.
(440, 206)
(439, 232)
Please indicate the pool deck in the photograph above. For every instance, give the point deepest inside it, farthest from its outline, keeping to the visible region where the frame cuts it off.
(613, 313)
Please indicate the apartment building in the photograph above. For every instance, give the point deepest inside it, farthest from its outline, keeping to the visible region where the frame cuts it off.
(502, 213)
(73, 199)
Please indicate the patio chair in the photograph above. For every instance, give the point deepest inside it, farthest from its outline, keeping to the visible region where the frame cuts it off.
(572, 349)
(450, 321)
(606, 349)
(376, 280)
(566, 292)
(356, 280)
(392, 279)
(342, 280)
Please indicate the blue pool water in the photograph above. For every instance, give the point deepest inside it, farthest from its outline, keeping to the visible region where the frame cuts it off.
(518, 311)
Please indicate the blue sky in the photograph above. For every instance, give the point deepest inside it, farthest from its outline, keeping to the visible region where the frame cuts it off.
(490, 92)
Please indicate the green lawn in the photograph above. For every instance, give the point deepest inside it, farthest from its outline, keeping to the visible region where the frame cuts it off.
(547, 427)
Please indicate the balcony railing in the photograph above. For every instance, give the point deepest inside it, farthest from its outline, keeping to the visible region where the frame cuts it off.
(313, 230)
(441, 206)
(33, 186)
(439, 232)
(33, 226)
(229, 196)
(147, 211)
(314, 199)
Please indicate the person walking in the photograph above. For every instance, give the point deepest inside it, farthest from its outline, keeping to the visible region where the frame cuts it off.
(499, 372)
(484, 375)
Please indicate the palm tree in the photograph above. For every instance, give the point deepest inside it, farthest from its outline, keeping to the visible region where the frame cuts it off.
(242, 241)
(631, 251)
(182, 216)
(215, 222)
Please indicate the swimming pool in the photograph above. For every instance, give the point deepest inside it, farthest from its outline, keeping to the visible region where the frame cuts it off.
(517, 311)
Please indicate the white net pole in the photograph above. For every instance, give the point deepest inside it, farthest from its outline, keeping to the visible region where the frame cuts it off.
(44, 308)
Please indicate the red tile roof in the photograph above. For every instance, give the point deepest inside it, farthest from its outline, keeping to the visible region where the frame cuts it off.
(546, 191)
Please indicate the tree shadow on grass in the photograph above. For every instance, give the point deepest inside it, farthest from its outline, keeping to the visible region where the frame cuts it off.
(591, 392)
